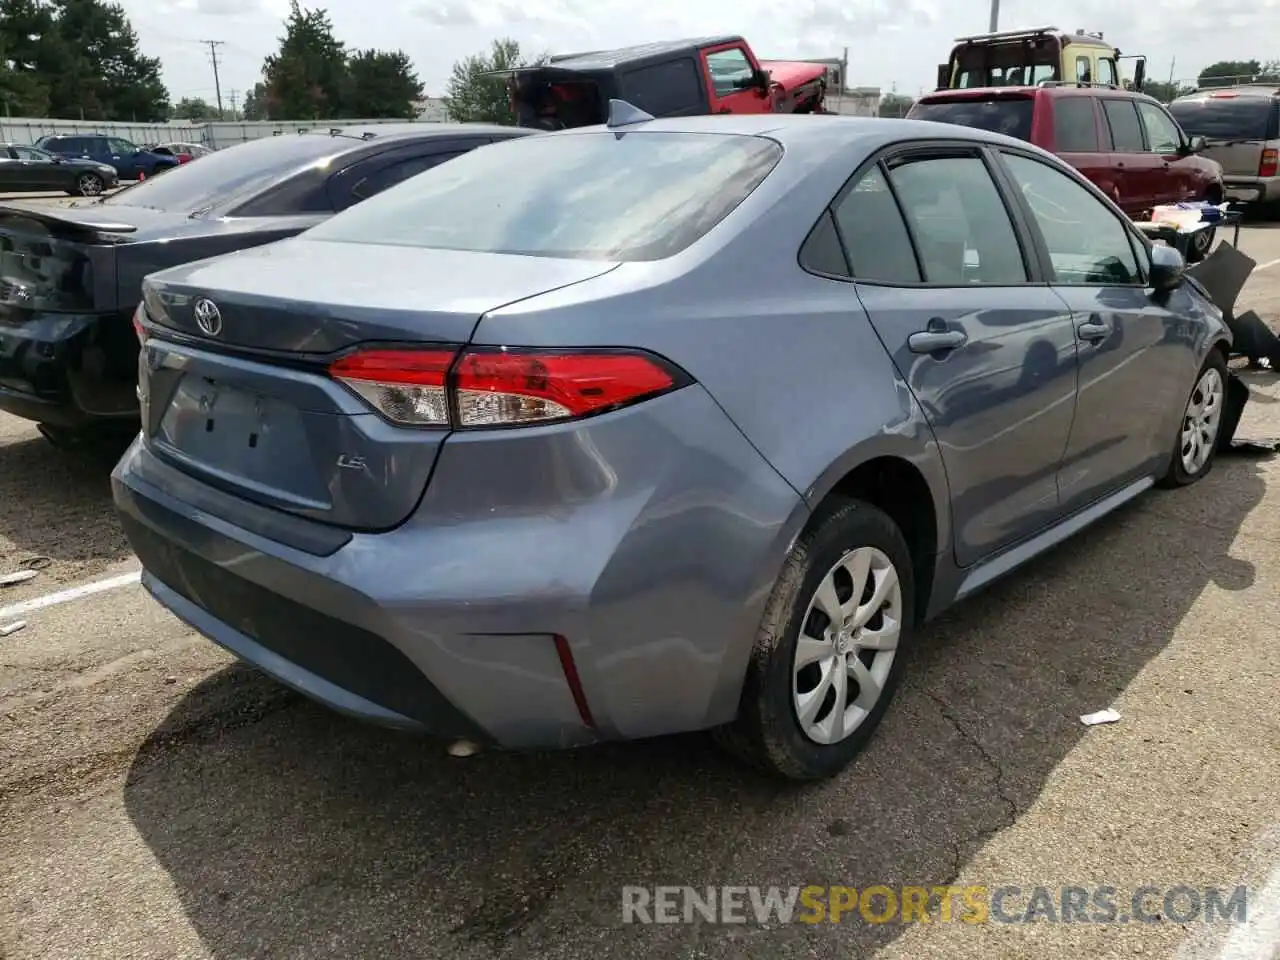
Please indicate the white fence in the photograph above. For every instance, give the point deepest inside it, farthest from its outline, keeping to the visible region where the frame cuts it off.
(213, 135)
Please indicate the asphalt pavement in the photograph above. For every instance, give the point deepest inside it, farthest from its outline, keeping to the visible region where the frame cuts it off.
(159, 800)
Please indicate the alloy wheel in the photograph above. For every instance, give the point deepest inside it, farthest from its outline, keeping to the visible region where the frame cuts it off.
(847, 643)
(90, 186)
(1201, 421)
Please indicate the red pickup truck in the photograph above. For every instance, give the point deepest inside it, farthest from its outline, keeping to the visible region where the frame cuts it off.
(675, 78)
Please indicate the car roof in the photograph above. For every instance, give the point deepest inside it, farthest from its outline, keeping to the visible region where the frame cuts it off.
(1262, 90)
(1037, 90)
(608, 59)
(424, 129)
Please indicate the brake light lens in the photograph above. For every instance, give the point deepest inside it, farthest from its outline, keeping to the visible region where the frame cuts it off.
(405, 386)
(1270, 161)
(505, 387)
(501, 386)
(139, 330)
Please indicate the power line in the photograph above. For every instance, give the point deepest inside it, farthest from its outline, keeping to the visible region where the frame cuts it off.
(213, 46)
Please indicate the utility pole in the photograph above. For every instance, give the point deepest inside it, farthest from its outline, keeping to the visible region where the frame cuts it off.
(233, 98)
(995, 16)
(213, 46)
(1172, 63)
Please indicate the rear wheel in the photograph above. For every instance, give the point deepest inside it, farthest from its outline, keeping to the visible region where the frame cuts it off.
(1197, 441)
(830, 649)
(106, 442)
(89, 185)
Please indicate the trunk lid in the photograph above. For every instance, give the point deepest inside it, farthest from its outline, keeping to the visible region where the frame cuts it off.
(251, 409)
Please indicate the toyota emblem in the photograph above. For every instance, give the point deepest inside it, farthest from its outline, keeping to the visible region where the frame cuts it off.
(208, 317)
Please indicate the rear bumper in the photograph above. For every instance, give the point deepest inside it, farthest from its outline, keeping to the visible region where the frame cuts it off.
(1252, 189)
(653, 569)
(70, 370)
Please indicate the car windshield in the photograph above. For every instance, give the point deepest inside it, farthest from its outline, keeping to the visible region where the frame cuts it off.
(593, 196)
(236, 172)
(1010, 116)
(1225, 118)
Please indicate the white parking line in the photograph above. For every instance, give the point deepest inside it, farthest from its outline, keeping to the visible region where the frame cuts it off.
(1258, 938)
(1266, 266)
(72, 593)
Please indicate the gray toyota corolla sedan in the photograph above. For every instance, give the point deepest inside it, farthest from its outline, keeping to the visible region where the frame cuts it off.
(683, 424)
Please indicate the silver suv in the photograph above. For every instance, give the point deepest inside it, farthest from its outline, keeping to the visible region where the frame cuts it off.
(1242, 128)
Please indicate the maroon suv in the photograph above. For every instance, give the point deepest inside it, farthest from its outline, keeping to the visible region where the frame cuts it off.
(1125, 142)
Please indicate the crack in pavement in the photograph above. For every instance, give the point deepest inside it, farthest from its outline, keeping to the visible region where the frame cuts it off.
(998, 782)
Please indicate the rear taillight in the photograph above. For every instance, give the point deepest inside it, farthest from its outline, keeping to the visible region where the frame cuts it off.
(1270, 161)
(501, 387)
(139, 330)
(407, 386)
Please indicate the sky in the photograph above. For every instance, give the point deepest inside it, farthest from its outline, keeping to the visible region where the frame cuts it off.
(892, 44)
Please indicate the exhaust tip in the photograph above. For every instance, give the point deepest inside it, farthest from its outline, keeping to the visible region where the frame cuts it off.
(463, 748)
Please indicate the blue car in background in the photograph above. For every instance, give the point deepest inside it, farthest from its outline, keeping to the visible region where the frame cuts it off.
(129, 159)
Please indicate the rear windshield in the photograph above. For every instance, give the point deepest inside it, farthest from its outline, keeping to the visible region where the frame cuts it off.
(1010, 116)
(589, 196)
(233, 173)
(1226, 118)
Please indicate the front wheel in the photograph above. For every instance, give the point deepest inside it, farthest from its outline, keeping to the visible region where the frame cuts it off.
(1197, 442)
(830, 648)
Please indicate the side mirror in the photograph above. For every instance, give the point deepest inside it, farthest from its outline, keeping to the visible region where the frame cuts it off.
(1168, 269)
(944, 76)
(1139, 73)
(760, 77)
(1197, 145)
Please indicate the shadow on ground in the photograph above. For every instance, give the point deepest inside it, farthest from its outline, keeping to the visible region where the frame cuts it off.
(57, 504)
(290, 832)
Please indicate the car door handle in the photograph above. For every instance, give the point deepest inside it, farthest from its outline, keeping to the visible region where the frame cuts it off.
(936, 339)
(1093, 330)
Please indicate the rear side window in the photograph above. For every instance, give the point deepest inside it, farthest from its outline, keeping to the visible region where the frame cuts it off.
(1007, 115)
(959, 222)
(874, 233)
(1126, 131)
(1074, 129)
(588, 196)
(1227, 118)
(664, 89)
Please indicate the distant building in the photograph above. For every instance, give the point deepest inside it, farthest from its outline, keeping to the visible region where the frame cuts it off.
(432, 110)
(856, 102)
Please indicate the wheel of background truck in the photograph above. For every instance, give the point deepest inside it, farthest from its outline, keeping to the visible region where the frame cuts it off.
(1196, 444)
(88, 185)
(830, 648)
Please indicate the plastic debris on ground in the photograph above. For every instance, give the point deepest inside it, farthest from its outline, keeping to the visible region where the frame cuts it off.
(1102, 716)
(12, 628)
(18, 576)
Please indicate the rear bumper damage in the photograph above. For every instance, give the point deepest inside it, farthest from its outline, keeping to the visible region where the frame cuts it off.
(70, 370)
(615, 594)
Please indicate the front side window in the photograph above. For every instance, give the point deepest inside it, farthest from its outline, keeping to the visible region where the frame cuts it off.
(1084, 73)
(1107, 72)
(122, 147)
(586, 196)
(730, 71)
(1087, 242)
(1163, 135)
(30, 153)
(959, 222)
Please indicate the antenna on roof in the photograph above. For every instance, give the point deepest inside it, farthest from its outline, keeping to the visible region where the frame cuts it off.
(623, 114)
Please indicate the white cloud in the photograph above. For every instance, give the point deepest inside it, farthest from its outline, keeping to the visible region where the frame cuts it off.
(890, 42)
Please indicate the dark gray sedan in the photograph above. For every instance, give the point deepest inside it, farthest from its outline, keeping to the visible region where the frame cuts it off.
(25, 169)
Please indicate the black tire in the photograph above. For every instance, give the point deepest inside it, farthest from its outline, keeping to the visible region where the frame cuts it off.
(88, 185)
(767, 733)
(105, 443)
(1177, 474)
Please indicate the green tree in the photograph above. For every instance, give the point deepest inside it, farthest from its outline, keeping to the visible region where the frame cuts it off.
(304, 80)
(96, 68)
(194, 108)
(474, 97)
(1165, 92)
(380, 85)
(26, 29)
(1226, 73)
(255, 103)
